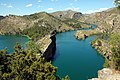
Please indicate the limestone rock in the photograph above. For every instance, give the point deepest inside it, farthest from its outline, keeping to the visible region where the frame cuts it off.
(107, 74)
(82, 34)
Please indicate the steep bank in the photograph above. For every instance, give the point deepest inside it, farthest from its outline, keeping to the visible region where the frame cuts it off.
(38, 27)
(2, 17)
(82, 34)
(103, 47)
(73, 57)
(108, 23)
(47, 46)
(107, 74)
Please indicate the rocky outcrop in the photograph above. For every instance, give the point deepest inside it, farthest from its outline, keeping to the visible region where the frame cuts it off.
(67, 14)
(102, 47)
(50, 51)
(2, 17)
(107, 74)
(77, 15)
(47, 45)
(108, 20)
(85, 25)
(82, 34)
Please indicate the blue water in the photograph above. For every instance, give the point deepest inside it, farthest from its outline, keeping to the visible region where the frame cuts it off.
(9, 41)
(73, 57)
(76, 58)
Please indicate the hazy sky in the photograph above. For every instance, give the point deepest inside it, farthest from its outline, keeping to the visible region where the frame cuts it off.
(23, 7)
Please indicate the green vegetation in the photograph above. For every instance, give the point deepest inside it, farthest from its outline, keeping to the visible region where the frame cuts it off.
(38, 31)
(111, 50)
(117, 2)
(25, 65)
(25, 24)
(114, 61)
(72, 22)
(115, 48)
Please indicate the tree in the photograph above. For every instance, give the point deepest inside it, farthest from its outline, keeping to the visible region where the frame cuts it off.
(115, 48)
(25, 65)
(117, 3)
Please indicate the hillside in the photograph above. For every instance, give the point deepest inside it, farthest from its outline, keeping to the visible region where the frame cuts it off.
(107, 21)
(67, 14)
(13, 24)
(1, 17)
(108, 41)
(31, 63)
(71, 18)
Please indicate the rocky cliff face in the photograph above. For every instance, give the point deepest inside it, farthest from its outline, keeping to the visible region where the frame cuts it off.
(82, 34)
(50, 51)
(77, 15)
(67, 14)
(2, 17)
(107, 21)
(48, 45)
(107, 74)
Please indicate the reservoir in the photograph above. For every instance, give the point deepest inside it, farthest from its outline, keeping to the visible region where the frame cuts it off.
(73, 57)
(76, 58)
(9, 41)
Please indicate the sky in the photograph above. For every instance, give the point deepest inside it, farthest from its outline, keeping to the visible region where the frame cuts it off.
(26, 7)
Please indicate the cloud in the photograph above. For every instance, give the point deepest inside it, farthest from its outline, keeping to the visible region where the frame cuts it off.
(50, 9)
(74, 9)
(54, 0)
(75, 0)
(98, 10)
(29, 5)
(6, 5)
(39, 0)
(9, 6)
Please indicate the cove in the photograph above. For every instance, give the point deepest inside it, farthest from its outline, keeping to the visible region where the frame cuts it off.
(9, 41)
(76, 58)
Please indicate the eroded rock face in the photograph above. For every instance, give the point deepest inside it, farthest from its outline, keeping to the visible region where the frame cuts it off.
(2, 17)
(77, 15)
(50, 51)
(108, 20)
(67, 14)
(82, 34)
(107, 74)
(103, 48)
(47, 46)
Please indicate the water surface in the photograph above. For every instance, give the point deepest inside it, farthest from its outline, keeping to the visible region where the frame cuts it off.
(9, 41)
(76, 58)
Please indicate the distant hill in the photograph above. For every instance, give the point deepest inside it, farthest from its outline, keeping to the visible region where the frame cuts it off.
(67, 14)
(13, 24)
(2, 17)
(108, 20)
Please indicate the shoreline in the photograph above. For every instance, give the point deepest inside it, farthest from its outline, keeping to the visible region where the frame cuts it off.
(26, 36)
